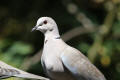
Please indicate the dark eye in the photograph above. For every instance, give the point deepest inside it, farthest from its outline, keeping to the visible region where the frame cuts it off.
(45, 22)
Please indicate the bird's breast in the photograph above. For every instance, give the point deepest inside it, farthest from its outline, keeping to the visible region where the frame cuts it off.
(56, 71)
(53, 64)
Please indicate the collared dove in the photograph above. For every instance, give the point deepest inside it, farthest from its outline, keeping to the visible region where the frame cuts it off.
(61, 61)
(7, 71)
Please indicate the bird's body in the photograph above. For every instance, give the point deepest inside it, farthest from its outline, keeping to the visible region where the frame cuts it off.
(57, 66)
(52, 63)
(7, 71)
(61, 61)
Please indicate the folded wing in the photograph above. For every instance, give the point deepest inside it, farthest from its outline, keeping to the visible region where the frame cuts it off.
(80, 66)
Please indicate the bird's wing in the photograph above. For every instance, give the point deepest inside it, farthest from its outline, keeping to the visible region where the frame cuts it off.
(79, 65)
(8, 71)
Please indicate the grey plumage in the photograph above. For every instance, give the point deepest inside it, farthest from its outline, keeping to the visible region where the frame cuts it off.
(61, 61)
(7, 71)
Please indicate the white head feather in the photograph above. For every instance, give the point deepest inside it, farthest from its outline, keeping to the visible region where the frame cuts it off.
(47, 26)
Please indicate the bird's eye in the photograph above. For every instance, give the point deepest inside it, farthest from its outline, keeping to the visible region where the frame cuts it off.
(45, 22)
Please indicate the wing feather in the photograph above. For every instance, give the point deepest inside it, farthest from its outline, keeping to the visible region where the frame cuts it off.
(80, 66)
(9, 71)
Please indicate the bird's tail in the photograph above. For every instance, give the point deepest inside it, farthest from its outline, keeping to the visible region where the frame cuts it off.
(30, 76)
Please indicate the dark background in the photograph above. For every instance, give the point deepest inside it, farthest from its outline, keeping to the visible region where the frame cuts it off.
(92, 26)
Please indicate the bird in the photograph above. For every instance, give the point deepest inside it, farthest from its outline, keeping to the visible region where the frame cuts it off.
(7, 71)
(61, 61)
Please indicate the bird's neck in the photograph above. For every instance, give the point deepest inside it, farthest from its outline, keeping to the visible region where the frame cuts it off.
(52, 35)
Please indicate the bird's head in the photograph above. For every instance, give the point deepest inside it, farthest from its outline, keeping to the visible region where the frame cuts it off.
(45, 24)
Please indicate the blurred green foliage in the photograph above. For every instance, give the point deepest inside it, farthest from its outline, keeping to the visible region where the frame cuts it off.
(102, 46)
(14, 51)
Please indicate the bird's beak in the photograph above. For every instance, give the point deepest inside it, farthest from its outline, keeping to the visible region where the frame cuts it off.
(33, 29)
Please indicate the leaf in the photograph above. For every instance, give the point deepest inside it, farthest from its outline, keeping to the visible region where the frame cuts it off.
(83, 47)
(116, 28)
(20, 48)
(4, 43)
(108, 45)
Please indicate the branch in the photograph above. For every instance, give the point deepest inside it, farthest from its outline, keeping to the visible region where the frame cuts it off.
(103, 31)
